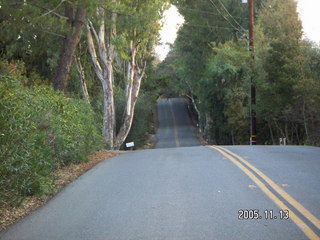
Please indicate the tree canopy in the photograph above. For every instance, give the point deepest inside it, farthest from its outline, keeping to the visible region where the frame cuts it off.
(210, 63)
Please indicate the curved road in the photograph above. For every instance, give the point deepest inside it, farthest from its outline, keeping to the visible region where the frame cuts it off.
(186, 193)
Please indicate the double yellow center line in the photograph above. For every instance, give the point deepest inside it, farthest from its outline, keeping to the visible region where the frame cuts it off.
(252, 171)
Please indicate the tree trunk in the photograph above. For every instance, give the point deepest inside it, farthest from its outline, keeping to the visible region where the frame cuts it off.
(133, 88)
(305, 119)
(109, 117)
(195, 108)
(288, 140)
(69, 46)
(103, 66)
(83, 84)
(271, 134)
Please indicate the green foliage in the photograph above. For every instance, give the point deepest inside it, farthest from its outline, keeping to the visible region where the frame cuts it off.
(29, 34)
(39, 130)
(34, 31)
(224, 92)
(280, 65)
(210, 62)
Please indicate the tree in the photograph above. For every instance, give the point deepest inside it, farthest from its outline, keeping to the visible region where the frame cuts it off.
(126, 41)
(34, 30)
(281, 63)
(76, 18)
(199, 65)
(29, 34)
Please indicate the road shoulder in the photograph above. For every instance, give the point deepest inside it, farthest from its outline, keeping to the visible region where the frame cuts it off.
(63, 176)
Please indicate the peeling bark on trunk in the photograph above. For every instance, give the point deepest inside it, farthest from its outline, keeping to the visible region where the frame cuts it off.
(69, 46)
(133, 87)
(104, 72)
(103, 66)
(195, 108)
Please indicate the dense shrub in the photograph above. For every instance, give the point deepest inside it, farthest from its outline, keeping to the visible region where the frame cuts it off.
(39, 129)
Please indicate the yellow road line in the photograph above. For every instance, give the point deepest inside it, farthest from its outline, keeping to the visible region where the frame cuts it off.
(174, 126)
(279, 190)
(298, 221)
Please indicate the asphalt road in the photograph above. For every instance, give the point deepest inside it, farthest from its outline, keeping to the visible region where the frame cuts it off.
(175, 127)
(186, 193)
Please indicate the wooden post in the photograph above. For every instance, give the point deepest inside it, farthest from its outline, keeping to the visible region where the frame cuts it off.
(253, 126)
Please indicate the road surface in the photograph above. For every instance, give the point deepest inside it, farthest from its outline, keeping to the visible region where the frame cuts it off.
(186, 193)
(175, 127)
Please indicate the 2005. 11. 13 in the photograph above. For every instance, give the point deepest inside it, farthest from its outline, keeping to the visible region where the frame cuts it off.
(255, 214)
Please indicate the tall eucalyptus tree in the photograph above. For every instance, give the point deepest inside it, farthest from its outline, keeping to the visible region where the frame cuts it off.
(125, 36)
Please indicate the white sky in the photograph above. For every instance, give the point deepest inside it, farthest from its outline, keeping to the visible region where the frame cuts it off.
(172, 21)
(310, 15)
(309, 11)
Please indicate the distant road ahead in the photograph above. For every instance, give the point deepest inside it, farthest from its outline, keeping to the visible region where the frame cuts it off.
(175, 126)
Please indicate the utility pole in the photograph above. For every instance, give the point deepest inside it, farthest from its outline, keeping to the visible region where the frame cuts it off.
(253, 126)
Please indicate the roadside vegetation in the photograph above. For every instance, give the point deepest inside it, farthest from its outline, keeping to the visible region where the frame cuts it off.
(210, 63)
(40, 130)
(74, 79)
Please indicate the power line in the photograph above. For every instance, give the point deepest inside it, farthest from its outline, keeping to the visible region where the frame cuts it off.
(223, 15)
(208, 26)
(202, 11)
(230, 15)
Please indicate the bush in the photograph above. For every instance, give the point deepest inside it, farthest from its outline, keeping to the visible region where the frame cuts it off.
(39, 130)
